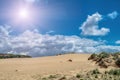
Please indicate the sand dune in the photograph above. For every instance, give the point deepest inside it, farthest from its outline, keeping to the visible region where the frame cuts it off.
(31, 68)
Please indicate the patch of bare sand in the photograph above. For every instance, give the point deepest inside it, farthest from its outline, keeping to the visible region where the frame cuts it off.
(30, 68)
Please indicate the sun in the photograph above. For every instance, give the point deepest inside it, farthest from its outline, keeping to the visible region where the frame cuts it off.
(23, 13)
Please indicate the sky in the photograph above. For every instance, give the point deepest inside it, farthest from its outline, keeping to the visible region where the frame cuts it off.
(49, 27)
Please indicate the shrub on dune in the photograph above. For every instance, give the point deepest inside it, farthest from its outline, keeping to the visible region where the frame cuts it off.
(118, 62)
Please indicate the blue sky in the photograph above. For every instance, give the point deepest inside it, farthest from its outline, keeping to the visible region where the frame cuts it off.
(66, 25)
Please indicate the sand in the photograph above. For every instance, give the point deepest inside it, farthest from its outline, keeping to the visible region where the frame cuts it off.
(32, 68)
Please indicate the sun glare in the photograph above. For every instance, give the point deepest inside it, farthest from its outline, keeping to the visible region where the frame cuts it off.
(23, 13)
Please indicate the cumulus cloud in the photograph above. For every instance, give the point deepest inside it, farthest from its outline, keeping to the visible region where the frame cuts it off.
(90, 26)
(117, 42)
(35, 44)
(113, 15)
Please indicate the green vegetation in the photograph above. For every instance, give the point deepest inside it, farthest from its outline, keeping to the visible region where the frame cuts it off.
(117, 62)
(105, 60)
(5, 56)
(113, 74)
(78, 76)
(96, 71)
(103, 55)
(52, 76)
(98, 56)
(93, 56)
(43, 79)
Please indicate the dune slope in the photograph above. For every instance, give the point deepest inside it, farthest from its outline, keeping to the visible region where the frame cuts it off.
(30, 68)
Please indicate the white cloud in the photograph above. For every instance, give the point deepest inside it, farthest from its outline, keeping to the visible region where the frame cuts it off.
(117, 42)
(108, 48)
(113, 15)
(50, 32)
(35, 44)
(90, 26)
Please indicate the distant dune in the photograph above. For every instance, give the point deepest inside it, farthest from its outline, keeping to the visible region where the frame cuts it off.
(6, 56)
(32, 68)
